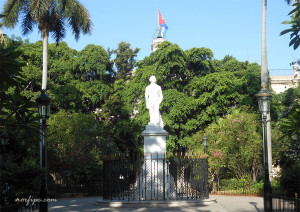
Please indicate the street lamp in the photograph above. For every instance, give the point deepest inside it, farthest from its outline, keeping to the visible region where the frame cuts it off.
(264, 101)
(127, 153)
(4, 139)
(108, 145)
(44, 102)
(4, 142)
(204, 142)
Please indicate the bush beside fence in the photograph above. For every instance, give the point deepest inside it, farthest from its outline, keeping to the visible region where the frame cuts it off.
(242, 187)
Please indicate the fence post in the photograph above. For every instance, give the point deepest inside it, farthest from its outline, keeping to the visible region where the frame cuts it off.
(145, 161)
(206, 178)
(157, 179)
(297, 208)
(151, 177)
(164, 185)
(139, 176)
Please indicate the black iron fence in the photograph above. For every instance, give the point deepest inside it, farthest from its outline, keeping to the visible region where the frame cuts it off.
(155, 178)
(20, 207)
(286, 204)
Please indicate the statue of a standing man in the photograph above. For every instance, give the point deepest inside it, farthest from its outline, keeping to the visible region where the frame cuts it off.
(153, 97)
(295, 67)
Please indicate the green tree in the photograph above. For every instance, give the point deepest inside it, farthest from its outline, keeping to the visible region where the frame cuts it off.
(18, 119)
(92, 76)
(114, 117)
(290, 159)
(71, 86)
(76, 148)
(290, 127)
(199, 61)
(91, 64)
(168, 64)
(10, 68)
(75, 133)
(51, 17)
(125, 59)
(287, 151)
(236, 141)
(16, 109)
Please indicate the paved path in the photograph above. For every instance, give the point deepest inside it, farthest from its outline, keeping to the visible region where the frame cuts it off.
(216, 203)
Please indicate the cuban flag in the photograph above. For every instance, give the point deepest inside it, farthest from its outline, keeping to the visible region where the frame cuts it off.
(162, 26)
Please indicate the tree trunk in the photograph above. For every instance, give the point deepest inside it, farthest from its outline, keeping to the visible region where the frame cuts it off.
(45, 60)
(264, 61)
(265, 78)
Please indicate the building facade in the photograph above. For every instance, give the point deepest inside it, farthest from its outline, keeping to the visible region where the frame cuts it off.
(281, 83)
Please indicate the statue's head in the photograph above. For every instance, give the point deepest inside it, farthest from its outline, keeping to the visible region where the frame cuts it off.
(152, 79)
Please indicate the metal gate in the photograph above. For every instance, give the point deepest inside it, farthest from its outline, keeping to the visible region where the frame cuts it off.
(155, 178)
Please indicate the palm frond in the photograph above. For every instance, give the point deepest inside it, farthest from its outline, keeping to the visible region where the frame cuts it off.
(288, 1)
(38, 9)
(27, 24)
(11, 10)
(78, 18)
(49, 15)
(57, 28)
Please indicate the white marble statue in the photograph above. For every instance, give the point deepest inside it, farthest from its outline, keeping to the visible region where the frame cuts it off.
(153, 97)
(295, 67)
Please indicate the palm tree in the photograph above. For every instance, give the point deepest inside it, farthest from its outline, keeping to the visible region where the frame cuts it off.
(265, 77)
(265, 83)
(264, 61)
(50, 16)
(289, 2)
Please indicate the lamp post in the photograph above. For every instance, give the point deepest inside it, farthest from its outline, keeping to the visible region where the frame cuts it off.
(108, 145)
(204, 142)
(4, 143)
(4, 139)
(264, 101)
(127, 153)
(44, 102)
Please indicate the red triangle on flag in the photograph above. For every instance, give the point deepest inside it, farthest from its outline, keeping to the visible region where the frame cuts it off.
(160, 19)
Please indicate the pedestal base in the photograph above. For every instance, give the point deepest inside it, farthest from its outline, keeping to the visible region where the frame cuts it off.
(155, 181)
(154, 142)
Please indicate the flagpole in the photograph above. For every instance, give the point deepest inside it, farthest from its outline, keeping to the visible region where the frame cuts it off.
(157, 18)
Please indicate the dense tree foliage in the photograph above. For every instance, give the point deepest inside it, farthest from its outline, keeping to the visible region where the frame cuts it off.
(51, 17)
(96, 98)
(289, 141)
(124, 60)
(18, 163)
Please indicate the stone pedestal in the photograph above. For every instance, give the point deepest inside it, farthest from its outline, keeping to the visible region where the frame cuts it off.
(154, 181)
(154, 141)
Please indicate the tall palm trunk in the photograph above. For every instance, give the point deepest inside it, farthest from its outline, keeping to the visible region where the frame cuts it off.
(264, 77)
(45, 60)
(264, 60)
